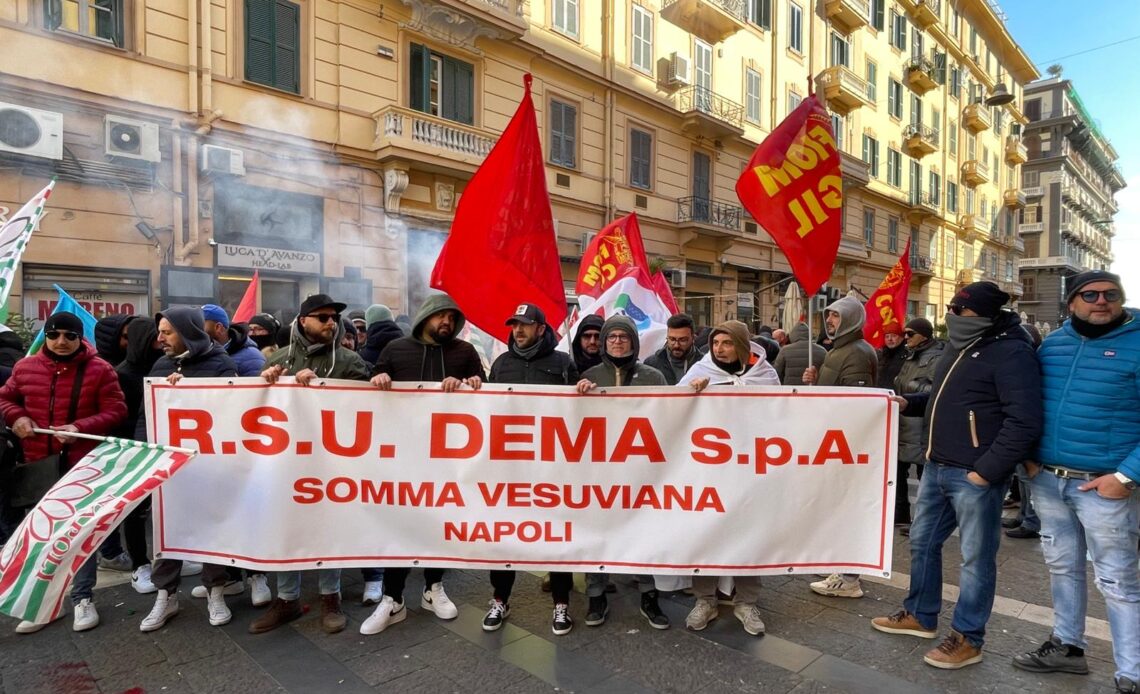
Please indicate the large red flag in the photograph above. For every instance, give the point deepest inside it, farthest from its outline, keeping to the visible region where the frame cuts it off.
(615, 252)
(888, 304)
(248, 305)
(793, 188)
(502, 250)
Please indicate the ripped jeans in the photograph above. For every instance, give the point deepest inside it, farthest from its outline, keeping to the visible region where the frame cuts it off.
(1073, 523)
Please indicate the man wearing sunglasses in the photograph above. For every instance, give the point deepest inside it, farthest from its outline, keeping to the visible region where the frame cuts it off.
(916, 376)
(983, 417)
(587, 345)
(1084, 476)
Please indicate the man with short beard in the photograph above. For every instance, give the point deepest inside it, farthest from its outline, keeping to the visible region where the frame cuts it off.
(313, 353)
(587, 345)
(680, 351)
(431, 353)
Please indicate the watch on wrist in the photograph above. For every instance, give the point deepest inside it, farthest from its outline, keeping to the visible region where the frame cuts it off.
(1127, 481)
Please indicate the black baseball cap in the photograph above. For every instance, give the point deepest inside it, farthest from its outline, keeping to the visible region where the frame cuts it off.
(527, 314)
(321, 301)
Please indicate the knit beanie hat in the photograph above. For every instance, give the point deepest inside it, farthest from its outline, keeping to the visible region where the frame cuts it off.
(922, 327)
(377, 313)
(983, 298)
(65, 321)
(1088, 277)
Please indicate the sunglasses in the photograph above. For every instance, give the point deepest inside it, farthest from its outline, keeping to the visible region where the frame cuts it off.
(955, 309)
(591, 336)
(908, 334)
(1091, 296)
(324, 317)
(65, 334)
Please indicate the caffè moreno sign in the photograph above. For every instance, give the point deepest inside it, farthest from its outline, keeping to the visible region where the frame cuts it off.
(275, 259)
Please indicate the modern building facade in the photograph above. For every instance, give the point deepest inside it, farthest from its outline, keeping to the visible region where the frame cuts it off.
(326, 143)
(1069, 180)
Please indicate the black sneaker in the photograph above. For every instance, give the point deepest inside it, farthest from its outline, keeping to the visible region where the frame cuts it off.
(496, 615)
(1008, 523)
(597, 611)
(1126, 686)
(1053, 656)
(652, 611)
(1022, 533)
(562, 623)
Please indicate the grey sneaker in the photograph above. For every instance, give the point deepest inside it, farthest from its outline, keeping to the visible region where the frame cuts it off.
(702, 613)
(1126, 686)
(1053, 656)
(119, 563)
(749, 616)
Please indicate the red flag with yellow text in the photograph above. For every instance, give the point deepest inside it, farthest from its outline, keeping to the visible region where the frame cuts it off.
(615, 252)
(888, 304)
(792, 186)
(502, 250)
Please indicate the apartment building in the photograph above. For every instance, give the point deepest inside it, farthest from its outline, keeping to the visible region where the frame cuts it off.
(1070, 179)
(326, 143)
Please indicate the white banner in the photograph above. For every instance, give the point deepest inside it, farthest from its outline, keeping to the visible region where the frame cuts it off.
(648, 480)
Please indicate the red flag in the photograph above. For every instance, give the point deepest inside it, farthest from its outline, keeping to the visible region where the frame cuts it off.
(248, 305)
(792, 186)
(664, 291)
(502, 250)
(888, 304)
(618, 251)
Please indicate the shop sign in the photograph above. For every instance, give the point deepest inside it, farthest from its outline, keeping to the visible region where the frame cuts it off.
(38, 303)
(261, 258)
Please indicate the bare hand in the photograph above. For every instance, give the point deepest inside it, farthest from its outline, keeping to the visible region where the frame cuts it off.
(1032, 468)
(901, 401)
(306, 376)
(475, 382)
(699, 384)
(382, 381)
(977, 479)
(273, 373)
(809, 376)
(23, 426)
(174, 378)
(64, 438)
(450, 384)
(1107, 486)
(586, 385)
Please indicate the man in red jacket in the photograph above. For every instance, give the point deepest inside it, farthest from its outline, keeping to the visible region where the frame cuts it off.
(39, 396)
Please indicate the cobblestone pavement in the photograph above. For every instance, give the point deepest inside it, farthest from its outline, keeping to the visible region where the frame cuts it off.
(813, 644)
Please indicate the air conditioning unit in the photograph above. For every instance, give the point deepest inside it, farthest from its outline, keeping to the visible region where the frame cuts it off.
(31, 131)
(676, 278)
(587, 239)
(222, 160)
(130, 139)
(680, 70)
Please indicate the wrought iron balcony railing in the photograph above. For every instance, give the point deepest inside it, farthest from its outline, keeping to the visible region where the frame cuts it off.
(705, 211)
(708, 102)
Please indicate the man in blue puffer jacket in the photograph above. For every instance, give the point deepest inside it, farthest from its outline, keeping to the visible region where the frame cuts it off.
(1085, 473)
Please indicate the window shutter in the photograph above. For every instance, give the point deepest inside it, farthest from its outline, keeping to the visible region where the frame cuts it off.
(53, 14)
(556, 145)
(463, 92)
(418, 78)
(569, 130)
(259, 41)
(287, 49)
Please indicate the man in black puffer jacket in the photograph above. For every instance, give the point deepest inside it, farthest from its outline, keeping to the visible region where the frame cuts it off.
(111, 337)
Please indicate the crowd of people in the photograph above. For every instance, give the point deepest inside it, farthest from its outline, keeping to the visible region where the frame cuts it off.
(989, 403)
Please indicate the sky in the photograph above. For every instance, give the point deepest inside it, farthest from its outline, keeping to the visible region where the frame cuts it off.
(1052, 31)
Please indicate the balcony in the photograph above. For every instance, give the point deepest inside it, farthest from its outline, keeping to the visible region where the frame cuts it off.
(430, 143)
(976, 118)
(921, 265)
(1014, 198)
(1033, 191)
(920, 74)
(975, 172)
(506, 17)
(922, 206)
(709, 217)
(712, 21)
(849, 15)
(971, 226)
(708, 114)
(924, 12)
(919, 140)
(969, 275)
(1036, 227)
(1013, 288)
(1051, 261)
(1015, 151)
(844, 90)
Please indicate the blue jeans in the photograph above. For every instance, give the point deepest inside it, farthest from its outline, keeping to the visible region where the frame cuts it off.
(289, 583)
(947, 500)
(83, 585)
(1073, 522)
(372, 575)
(1026, 513)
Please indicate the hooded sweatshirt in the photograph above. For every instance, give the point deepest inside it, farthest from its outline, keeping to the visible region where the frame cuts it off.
(413, 358)
(380, 333)
(793, 357)
(753, 371)
(582, 360)
(243, 350)
(107, 331)
(141, 358)
(326, 360)
(609, 374)
(11, 347)
(852, 361)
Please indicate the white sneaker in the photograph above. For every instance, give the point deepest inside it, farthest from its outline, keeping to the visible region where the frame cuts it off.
(26, 627)
(86, 616)
(191, 568)
(385, 615)
(702, 613)
(749, 616)
(259, 593)
(165, 607)
(141, 580)
(231, 588)
(838, 587)
(435, 600)
(373, 592)
(216, 604)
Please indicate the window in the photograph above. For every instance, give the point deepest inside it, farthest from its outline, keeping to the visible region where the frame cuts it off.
(877, 12)
(752, 94)
(872, 82)
(915, 109)
(970, 198)
(563, 133)
(760, 13)
(640, 158)
(973, 41)
(871, 154)
(642, 43)
(795, 28)
(869, 227)
(953, 138)
(1030, 179)
(1008, 270)
(895, 98)
(272, 44)
(837, 131)
(96, 19)
(793, 101)
(971, 146)
(894, 168)
(915, 180)
(1033, 110)
(967, 255)
(442, 85)
(955, 82)
(840, 51)
(892, 235)
(951, 252)
(935, 188)
(898, 30)
(936, 124)
(565, 14)
(952, 197)
(934, 248)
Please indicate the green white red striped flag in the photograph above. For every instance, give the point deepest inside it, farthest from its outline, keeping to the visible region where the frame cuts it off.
(72, 520)
(14, 235)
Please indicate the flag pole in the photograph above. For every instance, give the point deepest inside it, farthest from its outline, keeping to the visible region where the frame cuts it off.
(105, 439)
(808, 312)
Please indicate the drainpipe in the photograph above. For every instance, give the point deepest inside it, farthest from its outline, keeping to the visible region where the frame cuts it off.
(608, 76)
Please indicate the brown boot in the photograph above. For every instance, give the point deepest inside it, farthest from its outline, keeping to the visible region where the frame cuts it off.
(332, 619)
(280, 613)
(954, 653)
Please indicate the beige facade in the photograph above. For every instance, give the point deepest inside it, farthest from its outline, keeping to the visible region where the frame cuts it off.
(326, 143)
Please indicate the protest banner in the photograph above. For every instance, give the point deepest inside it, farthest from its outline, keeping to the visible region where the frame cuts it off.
(742, 480)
